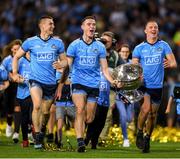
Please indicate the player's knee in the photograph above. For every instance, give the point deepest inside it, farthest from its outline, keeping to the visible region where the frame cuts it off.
(145, 110)
(79, 111)
(36, 108)
(53, 110)
(89, 119)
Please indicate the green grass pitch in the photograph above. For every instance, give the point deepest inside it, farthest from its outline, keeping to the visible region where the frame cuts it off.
(158, 150)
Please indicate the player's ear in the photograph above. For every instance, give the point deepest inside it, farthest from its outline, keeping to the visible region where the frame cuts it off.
(145, 31)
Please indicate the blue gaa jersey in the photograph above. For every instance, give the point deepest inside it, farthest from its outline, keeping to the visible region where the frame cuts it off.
(86, 62)
(24, 70)
(43, 54)
(151, 58)
(7, 63)
(104, 91)
(3, 74)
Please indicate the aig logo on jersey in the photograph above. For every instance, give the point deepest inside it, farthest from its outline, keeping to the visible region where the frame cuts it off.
(153, 60)
(87, 60)
(44, 56)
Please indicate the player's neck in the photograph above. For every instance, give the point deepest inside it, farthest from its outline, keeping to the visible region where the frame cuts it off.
(87, 39)
(152, 40)
(44, 36)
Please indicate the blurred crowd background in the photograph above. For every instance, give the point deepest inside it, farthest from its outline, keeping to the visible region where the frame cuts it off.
(126, 18)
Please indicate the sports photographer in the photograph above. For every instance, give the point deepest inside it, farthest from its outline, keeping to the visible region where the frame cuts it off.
(108, 39)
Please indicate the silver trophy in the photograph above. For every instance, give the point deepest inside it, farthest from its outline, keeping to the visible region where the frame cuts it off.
(130, 76)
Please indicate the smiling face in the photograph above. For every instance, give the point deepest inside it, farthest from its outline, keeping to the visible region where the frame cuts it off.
(15, 48)
(46, 26)
(89, 28)
(151, 30)
(124, 52)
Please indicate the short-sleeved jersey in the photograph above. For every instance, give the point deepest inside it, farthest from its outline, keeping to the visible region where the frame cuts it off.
(42, 55)
(24, 70)
(3, 73)
(7, 63)
(86, 62)
(151, 58)
(104, 91)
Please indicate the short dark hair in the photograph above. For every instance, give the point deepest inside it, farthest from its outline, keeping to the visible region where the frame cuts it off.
(44, 17)
(149, 21)
(88, 17)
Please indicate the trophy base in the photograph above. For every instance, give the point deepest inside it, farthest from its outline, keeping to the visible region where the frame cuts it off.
(130, 96)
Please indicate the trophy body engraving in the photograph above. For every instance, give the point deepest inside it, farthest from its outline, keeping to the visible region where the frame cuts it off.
(130, 76)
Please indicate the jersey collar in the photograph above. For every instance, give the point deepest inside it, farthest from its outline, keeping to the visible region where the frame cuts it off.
(150, 43)
(43, 39)
(86, 42)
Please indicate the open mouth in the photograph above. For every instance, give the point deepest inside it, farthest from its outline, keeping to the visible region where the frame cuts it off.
(92, 31)
(153, 33)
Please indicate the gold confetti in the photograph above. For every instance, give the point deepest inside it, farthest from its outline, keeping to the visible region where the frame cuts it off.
(160, 134)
